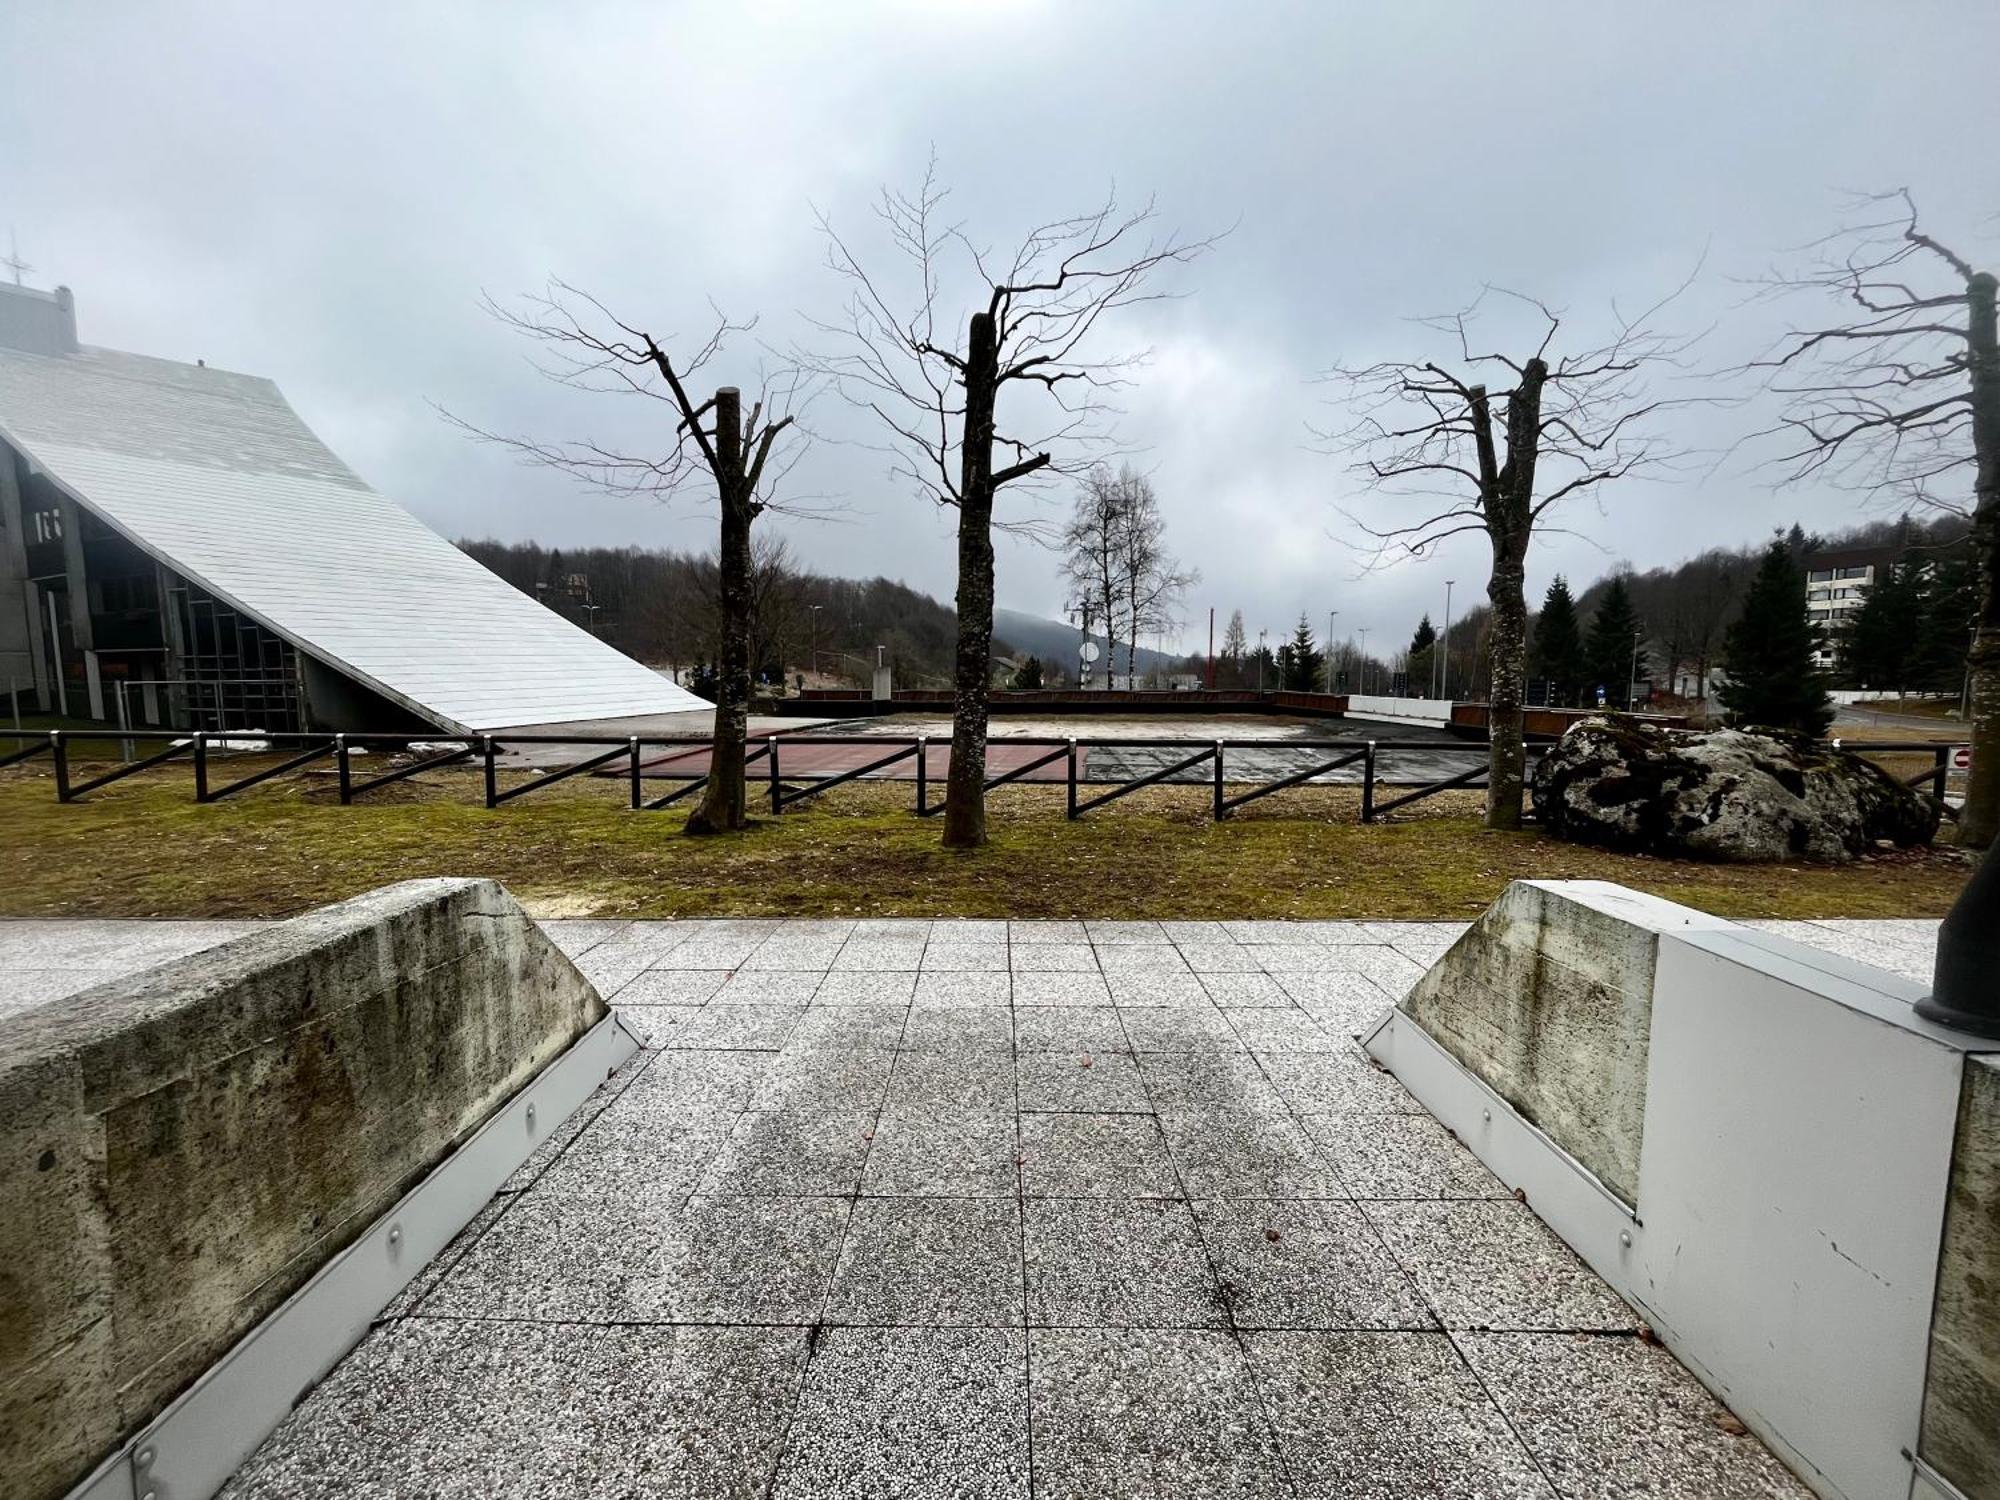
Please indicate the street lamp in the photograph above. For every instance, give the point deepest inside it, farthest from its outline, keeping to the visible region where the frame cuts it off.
(815, 609)
(1364, 659)
(1329, 648)
(1262, 636)
(1444, 645)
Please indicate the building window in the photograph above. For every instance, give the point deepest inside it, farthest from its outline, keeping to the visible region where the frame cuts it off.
(1820, 575)
(1855, 572)
(45, 525)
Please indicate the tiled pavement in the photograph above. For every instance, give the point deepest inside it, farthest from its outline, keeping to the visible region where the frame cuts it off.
(998, 1209)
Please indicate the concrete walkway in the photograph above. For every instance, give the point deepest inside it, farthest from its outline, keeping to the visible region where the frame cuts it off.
(1009, 1209)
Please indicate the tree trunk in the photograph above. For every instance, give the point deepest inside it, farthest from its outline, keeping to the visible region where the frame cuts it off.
(1979, 822)
(724, 802)
(965, 782)
(1507, 756)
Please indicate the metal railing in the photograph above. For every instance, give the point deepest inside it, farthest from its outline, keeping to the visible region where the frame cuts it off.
(634, 759)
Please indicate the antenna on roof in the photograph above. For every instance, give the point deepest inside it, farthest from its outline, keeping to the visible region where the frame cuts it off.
(12, 260)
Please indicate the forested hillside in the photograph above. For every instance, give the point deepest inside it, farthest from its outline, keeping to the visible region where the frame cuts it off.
(659, 606)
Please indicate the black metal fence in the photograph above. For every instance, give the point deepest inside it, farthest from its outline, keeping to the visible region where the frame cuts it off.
(629, 757)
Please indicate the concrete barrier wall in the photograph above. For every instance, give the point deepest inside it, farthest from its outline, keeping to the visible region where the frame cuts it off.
(1961, 1436)
(1549, 1000)
(180, 1150)
(1793, 1177)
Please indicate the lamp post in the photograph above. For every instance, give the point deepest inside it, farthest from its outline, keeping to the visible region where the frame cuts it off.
(1262, 636)
(1444, 645)
(1364, 659)
(1329, 648)
(1632, 675)
(814, 609)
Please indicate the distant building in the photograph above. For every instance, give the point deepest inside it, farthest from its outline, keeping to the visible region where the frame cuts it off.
(178, 549)
(1836, 582)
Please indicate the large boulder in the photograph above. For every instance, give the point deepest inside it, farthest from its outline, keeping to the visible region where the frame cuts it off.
(1727, 794)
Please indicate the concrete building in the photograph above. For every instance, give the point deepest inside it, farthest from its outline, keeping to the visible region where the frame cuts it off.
(177, 548)
(1836, 583)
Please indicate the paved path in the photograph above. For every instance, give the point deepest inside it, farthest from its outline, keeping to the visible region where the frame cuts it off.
(1010, 1209)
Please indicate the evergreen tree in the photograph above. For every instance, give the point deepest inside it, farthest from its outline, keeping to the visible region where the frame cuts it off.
(1879, 646)
(1557, 651)
(1304, 665)
(1769, 652)
(1944, 633)
(1613, 659)
(1028, 675)
(1422, 664)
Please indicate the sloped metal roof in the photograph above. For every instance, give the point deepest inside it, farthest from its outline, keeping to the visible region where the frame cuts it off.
(214, 474)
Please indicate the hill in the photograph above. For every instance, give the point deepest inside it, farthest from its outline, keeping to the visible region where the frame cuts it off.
(1055, 641)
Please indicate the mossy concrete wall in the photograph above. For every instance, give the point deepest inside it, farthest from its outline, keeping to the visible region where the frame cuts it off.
(1548, 1000)
(1961, 1437)
(180, 1150)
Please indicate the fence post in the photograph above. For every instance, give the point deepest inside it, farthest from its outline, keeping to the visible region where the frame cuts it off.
(777, 791)
(1071, 760)
(61, 753)
(492, 781)
(1368, 783)
(345, 769)
(201, 765)
(637, 796)
(923, 786)
(1218, 781)
(1943, 758)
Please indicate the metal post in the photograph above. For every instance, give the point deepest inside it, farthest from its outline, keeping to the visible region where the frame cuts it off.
(1218, 781)
(60, 752)
(345, 767)
(777, 791)
(923, 784)
(124, 721)
(14, 697)
(1072, 780)
(1963, 994)
(1368, 783)
(201, 765)
(492, 780)
(637, 799)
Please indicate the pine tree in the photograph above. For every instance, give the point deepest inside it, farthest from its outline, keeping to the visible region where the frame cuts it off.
(1422, 658)
(1613, 660)
(1557, 652)
(1950, 606)
(1302, 660)
(1028, 675)
(1769, 652)
(1879, 646)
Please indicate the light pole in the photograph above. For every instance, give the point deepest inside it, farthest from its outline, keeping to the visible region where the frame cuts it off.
(1444, 645)
(590, 616)
(815, 609)
(1329, 648)
(1364, 659)
(1632, 676)
(1262, 636)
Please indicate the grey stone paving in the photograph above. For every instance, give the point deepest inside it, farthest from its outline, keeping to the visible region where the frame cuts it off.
(42, 961)
(1012, 1209)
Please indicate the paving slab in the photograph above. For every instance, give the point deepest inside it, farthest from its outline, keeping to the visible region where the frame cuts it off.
(1382, 1414)
(915, 1412)
(1306, 1265)
(1119, 1263)
(1607, 1416)
(426, 1406)
(930, 1262)
(1495, 1265)
(1120, 1412)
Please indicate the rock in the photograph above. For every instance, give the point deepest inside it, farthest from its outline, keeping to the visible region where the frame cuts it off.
(1726, 794)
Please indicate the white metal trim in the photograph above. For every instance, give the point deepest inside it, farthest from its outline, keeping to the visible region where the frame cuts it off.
(193, 1447)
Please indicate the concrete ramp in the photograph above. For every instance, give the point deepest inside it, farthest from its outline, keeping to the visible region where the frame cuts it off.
(182, 1149)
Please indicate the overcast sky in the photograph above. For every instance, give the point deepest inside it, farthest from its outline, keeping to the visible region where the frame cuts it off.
(320, 194)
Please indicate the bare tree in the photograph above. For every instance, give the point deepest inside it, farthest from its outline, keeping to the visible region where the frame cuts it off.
(1155, 581)
(1495, 459)
(1091, 543)
(1029, 334)
(711, 442)
(1901, 396)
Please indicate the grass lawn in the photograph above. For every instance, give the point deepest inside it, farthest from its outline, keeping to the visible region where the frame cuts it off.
(142, 848)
